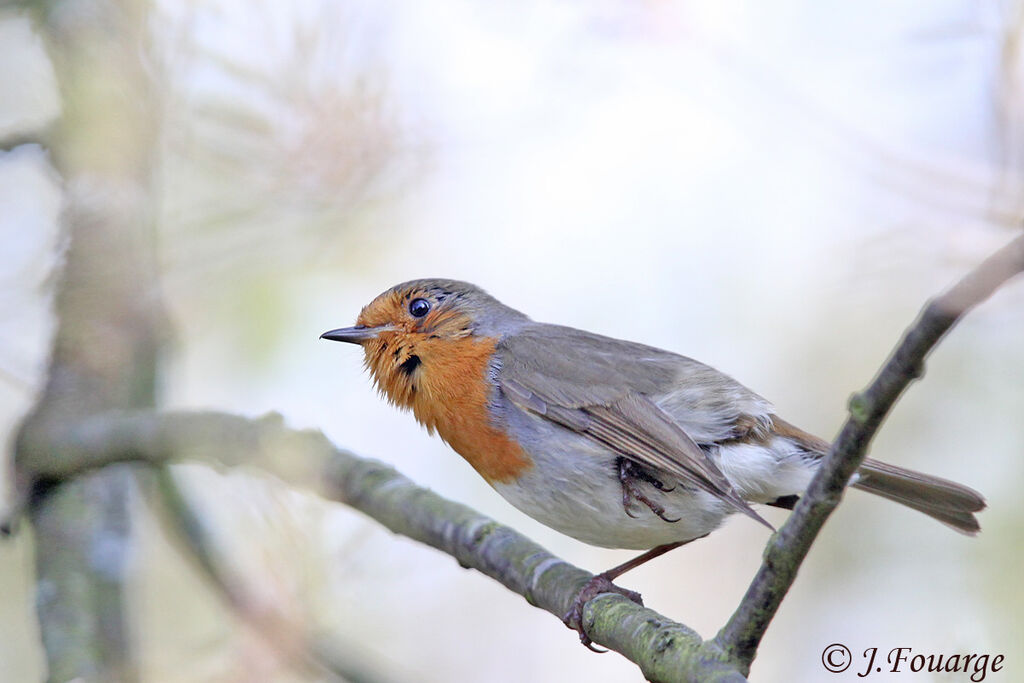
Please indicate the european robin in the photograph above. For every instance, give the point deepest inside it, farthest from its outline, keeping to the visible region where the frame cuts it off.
(614, 443)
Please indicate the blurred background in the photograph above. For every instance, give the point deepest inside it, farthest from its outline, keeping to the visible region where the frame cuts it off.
(773, 189)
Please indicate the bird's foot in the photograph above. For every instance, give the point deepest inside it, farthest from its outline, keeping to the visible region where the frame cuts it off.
(630, 474)
(596, 586)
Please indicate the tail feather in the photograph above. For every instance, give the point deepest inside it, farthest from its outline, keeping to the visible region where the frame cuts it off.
(946, 501)
(951, 503)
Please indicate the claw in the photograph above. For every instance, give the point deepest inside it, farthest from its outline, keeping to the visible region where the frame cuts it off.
(654, 507)
(654, 481)
(628, 475)
(660, 511)
(596, 586)
(627, 500)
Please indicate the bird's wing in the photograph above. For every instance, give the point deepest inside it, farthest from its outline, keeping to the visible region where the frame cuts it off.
(601, 388)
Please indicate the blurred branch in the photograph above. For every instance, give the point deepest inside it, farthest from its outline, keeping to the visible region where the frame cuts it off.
(941, 186)
(9, 143)
(664, 650)
(307, 141)
(111, 324)
(788, 547)
(283, 635)
(110, 327)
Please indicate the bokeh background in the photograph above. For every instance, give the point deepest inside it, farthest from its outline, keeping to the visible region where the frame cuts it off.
(772, 188)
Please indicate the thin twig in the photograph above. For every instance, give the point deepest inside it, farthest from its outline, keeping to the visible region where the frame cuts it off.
(786, 550)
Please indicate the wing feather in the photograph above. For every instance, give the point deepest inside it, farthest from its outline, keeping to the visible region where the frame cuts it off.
(623, 419)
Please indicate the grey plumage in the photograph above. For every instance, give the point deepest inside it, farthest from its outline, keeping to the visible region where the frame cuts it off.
(668, 412)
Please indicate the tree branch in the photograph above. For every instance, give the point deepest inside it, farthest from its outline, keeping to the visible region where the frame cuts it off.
(110, 327)
(788, 547)
(663, 649)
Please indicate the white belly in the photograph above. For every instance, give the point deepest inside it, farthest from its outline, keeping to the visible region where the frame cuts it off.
(573, 487)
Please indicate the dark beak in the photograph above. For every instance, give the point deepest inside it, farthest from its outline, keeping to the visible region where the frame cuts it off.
(355, 335)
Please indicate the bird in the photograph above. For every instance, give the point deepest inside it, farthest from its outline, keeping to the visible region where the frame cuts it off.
(612, 442)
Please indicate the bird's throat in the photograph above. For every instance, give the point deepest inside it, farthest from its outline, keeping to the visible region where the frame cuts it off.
(449, 389)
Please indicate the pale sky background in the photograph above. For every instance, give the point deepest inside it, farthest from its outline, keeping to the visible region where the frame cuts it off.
(771, 189)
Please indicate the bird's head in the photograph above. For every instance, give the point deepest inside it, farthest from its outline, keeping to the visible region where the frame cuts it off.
(416, 326)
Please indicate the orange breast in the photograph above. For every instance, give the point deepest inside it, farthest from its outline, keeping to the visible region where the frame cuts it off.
(452, 392)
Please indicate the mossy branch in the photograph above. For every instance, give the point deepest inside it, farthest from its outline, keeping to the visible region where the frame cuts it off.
(663, 649)
(788, 547)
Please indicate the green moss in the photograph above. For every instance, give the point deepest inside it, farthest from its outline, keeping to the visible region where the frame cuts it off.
(860, 408)
(483, 531)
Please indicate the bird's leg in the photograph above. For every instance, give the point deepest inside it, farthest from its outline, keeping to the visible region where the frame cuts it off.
(602, 583)
(629, 474)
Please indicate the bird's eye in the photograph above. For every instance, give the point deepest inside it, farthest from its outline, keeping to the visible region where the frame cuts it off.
(419, 307)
